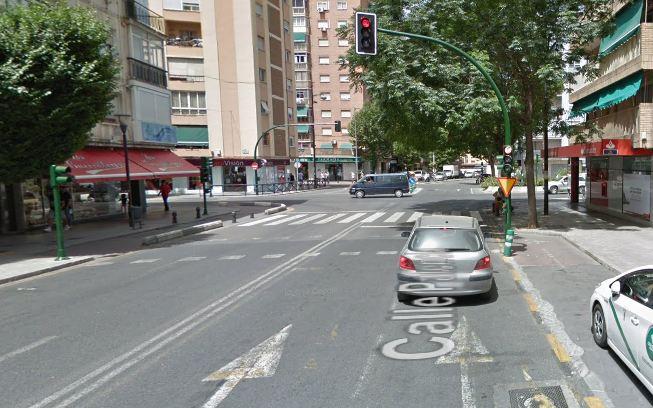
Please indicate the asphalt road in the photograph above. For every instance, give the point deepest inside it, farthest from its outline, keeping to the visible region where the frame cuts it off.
(298, 310)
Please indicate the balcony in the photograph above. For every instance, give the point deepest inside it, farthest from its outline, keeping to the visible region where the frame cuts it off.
(189, 42)
(145, 72)
(298, 11)
(184, 16)
(145, 16)
(301, 66)
(301, 47)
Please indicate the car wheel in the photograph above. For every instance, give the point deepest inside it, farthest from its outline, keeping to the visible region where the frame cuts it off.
(553, 189)
(360, 194)
(599, 330)
(399, 193)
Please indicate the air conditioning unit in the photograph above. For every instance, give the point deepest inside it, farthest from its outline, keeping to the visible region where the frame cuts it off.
(324, 29)
(324, 97)
(320, 10)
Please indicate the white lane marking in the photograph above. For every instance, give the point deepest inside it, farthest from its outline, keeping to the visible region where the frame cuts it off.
(350, 253)
(386, 253)
(131, 358)
(29, 347)
(312, 254)
(140, 261)
(476, 215)
(314, 236)
(309, 219)
(351, 218)
(260, 361)
(292, 217)
(367, 368)
(191, 259)
(25, 289)
(417, 191)
(394, 217)
(373, 217)
(331, 218)
(274, 217)
(415, 216)
(273, 256)
(231, 257)
(455, 212)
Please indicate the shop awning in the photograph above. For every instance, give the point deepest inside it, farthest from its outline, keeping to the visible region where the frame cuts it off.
(92, 165)
(299, 37)
(627, 23)
(605, 147)
(302, 129)
(192, 135)
(346, 146)
(302, 112)
(163, 163)
(609, 96)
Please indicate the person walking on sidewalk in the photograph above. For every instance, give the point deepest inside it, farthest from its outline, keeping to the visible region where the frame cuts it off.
(67, 206)
(164, 191)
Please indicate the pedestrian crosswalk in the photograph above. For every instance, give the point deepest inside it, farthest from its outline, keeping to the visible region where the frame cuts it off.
(363, 217)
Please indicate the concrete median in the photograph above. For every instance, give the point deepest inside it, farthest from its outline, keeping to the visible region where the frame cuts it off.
(194, 229)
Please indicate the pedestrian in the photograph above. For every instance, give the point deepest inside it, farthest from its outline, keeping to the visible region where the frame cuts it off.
(353, 176)
(123, 203)
(164, 192)
(300, 177)
(67, 207)
(326, 177)
(50, 215)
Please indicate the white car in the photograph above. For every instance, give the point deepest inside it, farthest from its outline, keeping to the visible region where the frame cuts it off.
(622, 318)
(439, 176)
(563, 185)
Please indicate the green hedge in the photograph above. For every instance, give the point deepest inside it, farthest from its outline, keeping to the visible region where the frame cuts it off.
(489, 182)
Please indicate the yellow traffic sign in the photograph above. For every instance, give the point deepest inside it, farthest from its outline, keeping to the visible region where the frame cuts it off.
(506, 184)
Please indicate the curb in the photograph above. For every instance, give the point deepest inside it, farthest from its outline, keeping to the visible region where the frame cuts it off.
(46, 270)
(194, 229)
(275, 210)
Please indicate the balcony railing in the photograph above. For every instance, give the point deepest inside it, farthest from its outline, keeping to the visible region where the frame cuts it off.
(301, 47)
(186, 78)
(178, 42)
(145, 72)
(301, 66)
(298, 11)
(145, 16)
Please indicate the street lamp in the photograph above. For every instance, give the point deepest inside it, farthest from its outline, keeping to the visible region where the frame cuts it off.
(123, 129)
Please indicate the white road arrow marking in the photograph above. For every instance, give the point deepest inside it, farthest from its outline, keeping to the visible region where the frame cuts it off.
(261, 361)
(469, 349)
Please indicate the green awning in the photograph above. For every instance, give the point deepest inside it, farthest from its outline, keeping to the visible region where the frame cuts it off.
(326, 146)
(299, 37)
(609, 96)
(346, 146)
(302, 128)
(627, 22)
(192, 135)
(302, 112)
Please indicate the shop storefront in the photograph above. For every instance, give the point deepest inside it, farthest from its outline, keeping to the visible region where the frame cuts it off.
(339, 168)
(237, 175)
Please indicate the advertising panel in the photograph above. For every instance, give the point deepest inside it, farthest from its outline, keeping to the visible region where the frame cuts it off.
(637, 195)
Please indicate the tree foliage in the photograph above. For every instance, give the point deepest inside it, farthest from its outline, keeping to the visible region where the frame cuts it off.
(57, 81)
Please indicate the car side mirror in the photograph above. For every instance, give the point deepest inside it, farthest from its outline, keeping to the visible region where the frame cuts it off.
(405, 234)
(615, 287)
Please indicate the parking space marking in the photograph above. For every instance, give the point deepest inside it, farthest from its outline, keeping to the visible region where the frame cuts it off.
(373, 217)
(351, 218)
(386, 253)
(191, 259)
(273, 256)
(395, 217)
(140, 261)
(558, 348)
(231, 257)
(350, 253)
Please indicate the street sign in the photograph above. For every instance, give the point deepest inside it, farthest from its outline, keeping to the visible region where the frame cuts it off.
(506, 184)
(254, 165)
(298, 164)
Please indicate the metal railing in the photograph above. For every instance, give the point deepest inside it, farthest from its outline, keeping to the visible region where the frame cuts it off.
(145, 16)
(145, 72)
(186, 78)
(178, 42)
(268, 188)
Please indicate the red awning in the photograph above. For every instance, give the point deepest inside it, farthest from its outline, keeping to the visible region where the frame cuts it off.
(91, 165)
(606, 147)
(163, 163)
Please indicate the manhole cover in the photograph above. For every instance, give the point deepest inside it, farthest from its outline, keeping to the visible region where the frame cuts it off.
(541, 397)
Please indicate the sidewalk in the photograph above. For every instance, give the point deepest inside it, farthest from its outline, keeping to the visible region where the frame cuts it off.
(615, 243)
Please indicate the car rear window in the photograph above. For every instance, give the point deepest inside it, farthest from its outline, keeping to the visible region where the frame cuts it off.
(445, 239)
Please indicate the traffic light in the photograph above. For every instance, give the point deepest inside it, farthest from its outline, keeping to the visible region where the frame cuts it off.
(507, 161)
(338, 126)
(60, 175)
(366, 33)
(205, 170)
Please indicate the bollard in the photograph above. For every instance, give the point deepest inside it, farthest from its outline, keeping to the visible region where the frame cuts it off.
(197, 212)
(507, 249)
(174, 217)
(233, 214)
(251, 215)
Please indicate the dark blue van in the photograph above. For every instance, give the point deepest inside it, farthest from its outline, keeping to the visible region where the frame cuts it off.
(375, 184)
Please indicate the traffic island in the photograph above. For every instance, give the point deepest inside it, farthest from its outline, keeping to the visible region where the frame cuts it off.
(169, 235)
(27, 268)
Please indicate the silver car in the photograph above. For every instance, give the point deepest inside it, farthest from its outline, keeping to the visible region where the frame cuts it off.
(444, 256)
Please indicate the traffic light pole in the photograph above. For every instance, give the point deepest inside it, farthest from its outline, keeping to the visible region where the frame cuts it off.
(495, 88)
(61, 251)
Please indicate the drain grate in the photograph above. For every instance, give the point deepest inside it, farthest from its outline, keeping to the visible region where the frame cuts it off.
(541, 397)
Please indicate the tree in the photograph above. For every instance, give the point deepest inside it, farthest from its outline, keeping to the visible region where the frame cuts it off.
(57, 81)
(367, 131)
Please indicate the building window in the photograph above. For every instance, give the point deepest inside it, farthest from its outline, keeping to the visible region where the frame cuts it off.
(327, 131)
(345, 114)
(265, 109)
(322, 43)
(262, 75)
(326, 113)
(322, 24)
(301, 93)
(345, 96)
(147, 48)
(325, 96)
(288, 55)
(342, 4)
(289, 84)
(323, 5)
(286, 26)
(344, 78)
(260, 43)
(345, 131)
(342, 23)
(325, 78)
(298, 3)
(299, 21)
(300, 58)
(290, 113)
(301, 75)
(291, 142)
(190, 6)
(188, 103)
(259, 10)
(324, 60)
(187, 69)
(343, 43)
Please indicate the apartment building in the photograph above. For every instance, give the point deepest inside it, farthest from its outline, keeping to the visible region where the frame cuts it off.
(325, 93)
(619, 105)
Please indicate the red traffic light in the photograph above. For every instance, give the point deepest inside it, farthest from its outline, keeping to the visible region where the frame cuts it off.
(365, 22)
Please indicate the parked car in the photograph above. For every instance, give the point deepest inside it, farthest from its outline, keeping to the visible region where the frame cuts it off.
(375, 184)
(448, 174)
(622, 319)
(439, 176)
(421, 175)
(563, 184)
(444, 256)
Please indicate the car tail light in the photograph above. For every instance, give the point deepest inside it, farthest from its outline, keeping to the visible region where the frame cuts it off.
(483, 263)
(406, 264)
